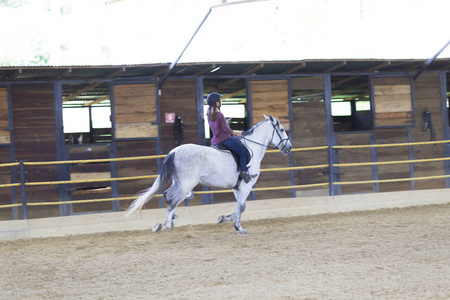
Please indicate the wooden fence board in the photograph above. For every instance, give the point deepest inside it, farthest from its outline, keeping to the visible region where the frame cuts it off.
(135, 109)
(270, 97)
(136, 130)
(391, 89)
(269, 85)
(4, 117)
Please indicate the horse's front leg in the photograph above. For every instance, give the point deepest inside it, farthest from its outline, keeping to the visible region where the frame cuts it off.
(240, 208)
(241, 197)
(229, 218)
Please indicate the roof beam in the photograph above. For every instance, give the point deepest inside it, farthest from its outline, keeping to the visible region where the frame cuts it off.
(93, 85)
(295, 68)
(101, 99)
(356, 87)
(161, 72)
(64, 73)
(238, 92)
(335, 67)
(205, 70)
(249, 71)
(116, 72)
(15, 74)
(373, 69)
(82, 91)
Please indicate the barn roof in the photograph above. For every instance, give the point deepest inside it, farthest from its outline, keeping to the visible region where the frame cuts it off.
(153, 71)
(80, 82)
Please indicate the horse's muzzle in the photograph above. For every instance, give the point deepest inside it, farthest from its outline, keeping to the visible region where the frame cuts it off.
(286, 148)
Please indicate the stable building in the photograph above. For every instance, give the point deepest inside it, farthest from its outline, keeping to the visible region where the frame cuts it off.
(71, 113)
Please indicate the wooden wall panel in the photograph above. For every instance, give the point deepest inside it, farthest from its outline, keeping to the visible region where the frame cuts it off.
(393, 136)
(356, 155)
(135, 109)
(427, 95)
(274, 179)
(309, 130)
(178, 96)
(393, 105)
(5, 172)
(90, 190)
(145, 167)
(270, 97)
(34, 122)
(4, 119)
(5, 178)
(33, 109)
(307, 83)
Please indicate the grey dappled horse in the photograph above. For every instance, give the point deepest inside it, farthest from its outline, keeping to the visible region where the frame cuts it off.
(191, 164)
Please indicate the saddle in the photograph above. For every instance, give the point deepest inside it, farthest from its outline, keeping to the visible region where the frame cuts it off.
(222, 147)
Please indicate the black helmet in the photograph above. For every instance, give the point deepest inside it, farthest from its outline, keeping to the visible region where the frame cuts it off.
(213, 98)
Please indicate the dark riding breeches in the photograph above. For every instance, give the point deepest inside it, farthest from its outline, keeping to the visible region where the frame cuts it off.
(237, 148)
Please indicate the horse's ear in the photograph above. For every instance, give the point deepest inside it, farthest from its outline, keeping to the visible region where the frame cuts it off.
(266, 117)
(271, 119)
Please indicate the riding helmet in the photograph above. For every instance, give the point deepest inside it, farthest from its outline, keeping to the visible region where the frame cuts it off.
(213, 98)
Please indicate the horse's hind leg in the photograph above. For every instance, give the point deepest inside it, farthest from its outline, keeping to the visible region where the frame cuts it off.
(170, 195)
(174, 196)
(170, 216)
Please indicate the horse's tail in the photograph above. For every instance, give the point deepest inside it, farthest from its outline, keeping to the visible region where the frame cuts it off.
(158, 186)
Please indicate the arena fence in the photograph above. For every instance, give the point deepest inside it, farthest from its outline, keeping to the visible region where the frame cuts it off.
(330, 183)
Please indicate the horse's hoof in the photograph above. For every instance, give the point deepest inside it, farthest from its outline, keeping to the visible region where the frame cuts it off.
(242, 231)
(169, 228)
(157, 227)
(221, 219)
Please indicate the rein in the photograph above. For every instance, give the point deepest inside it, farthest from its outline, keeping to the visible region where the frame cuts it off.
(271, 139)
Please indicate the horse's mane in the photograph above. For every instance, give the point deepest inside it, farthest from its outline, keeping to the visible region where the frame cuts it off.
(250, 131)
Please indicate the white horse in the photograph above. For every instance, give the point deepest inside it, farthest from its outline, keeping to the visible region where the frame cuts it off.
(191, 164)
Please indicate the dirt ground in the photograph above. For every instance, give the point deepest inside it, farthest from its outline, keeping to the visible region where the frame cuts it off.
(385, 254)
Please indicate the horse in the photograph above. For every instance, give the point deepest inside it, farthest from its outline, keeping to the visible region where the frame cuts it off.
(76, 141)
(190, 164)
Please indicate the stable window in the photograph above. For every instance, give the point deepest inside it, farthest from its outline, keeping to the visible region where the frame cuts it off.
(87, 125)
(351, 115)
(351, 107)
(86, 111)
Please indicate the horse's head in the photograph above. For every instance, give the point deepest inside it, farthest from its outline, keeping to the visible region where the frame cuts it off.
(280, 138)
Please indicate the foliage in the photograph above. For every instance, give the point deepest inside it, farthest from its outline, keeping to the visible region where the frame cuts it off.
(12, 3)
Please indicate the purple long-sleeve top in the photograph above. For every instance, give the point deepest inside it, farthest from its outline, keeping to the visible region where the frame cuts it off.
(220, 129)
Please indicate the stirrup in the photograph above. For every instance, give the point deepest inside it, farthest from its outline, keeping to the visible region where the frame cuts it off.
(245, 176)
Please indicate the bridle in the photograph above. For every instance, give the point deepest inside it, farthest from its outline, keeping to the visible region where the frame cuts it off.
(285, 140)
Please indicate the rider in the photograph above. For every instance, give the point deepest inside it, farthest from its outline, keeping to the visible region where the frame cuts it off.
(223, 134)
